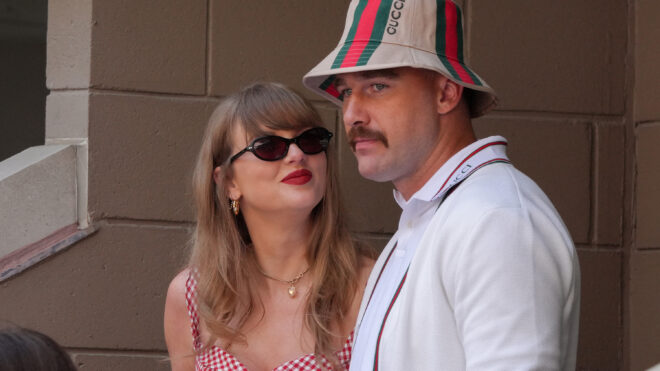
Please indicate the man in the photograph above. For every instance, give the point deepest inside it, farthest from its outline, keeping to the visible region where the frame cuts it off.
(482, 273)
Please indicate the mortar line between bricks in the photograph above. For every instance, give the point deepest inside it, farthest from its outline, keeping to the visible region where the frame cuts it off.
(373, 234)
(594, 192)
(145, 222)
(647, 248)
(599, 248)
(139, 93)
(647, 123)
(116, 352)
(591, 117)
(207, 51)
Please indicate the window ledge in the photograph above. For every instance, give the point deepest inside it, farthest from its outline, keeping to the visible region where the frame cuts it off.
(38, 200)
(27, 256)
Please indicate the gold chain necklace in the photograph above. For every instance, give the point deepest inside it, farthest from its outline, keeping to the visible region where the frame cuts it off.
(291, 282)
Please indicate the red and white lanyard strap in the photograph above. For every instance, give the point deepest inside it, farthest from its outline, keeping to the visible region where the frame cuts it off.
(387, 313)
(381, 273)
(471, 163)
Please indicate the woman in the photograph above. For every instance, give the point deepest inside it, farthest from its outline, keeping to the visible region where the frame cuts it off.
(274, 280)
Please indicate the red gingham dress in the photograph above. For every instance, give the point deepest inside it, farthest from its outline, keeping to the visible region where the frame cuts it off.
(218, 359)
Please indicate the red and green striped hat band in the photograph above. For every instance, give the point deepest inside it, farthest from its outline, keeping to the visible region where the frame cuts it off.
(382, 34)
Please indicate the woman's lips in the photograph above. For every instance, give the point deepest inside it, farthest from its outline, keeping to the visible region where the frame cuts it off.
(298, 177)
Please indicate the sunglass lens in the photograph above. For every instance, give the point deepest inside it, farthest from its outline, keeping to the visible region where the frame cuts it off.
(270, 148)
(312, 141)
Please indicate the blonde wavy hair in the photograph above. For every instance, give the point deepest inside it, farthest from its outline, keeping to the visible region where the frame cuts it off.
(221, 253)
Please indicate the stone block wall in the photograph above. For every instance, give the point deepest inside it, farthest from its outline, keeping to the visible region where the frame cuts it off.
(136, 80)
(643, 313)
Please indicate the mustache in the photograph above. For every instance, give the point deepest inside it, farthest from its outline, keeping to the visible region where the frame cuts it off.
(363, 133)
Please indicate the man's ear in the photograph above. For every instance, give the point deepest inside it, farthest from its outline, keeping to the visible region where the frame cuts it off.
(225, 179)
(448, 94)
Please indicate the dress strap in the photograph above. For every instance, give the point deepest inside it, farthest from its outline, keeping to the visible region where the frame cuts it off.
(191, 303)
(344, 354)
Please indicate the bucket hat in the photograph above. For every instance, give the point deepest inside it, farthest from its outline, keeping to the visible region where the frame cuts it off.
(382, 34)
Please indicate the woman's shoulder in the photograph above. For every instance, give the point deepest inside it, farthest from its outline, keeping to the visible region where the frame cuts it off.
(177, 323)
(178, 286)
(176, 306)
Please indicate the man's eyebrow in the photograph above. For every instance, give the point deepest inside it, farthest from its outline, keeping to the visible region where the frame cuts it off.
(338, 81)
(365, 75)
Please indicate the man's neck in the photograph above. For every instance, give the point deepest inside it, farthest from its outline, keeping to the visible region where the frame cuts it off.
(457, 137)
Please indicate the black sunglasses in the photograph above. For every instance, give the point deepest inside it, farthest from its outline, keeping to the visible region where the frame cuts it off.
(273, 147)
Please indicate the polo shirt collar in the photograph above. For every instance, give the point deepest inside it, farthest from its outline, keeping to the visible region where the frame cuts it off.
(432, 188)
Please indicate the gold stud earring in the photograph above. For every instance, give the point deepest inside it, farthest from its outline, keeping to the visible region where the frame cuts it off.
(235, 206)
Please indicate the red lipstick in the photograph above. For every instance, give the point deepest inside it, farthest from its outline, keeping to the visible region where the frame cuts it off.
(298, 177)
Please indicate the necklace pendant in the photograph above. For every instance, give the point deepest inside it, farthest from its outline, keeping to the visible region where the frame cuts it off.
(292, 291)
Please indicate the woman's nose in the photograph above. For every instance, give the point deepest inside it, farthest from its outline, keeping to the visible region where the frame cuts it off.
(294, 154)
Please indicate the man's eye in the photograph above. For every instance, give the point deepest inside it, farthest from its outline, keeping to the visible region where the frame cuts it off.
(379, 87)
(345, 93)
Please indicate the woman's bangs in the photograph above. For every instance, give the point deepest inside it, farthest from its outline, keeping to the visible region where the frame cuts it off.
(274, 109)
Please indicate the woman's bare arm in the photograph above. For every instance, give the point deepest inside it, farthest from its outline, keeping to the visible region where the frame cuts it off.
(178, 335)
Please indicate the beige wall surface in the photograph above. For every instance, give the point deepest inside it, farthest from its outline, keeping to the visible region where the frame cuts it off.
(643, 316)
(106, 292)
(138, 79)
(647, 59)
(552, 56)
(146, 46)
(279, 40)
